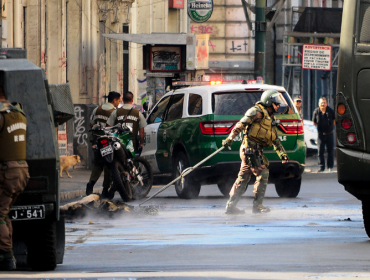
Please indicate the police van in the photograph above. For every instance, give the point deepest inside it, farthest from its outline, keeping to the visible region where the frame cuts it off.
(188, 124)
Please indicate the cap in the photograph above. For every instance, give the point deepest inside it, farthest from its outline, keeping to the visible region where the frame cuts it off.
(297, 98)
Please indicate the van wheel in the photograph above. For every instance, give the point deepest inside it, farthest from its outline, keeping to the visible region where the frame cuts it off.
(225, 186)
(41, 246)
(187, 188)
(366, 215)
(288, 187)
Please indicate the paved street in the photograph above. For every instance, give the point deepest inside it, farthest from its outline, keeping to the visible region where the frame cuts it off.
(318, 235)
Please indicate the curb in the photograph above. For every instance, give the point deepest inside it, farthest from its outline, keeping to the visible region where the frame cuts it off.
(78, 193)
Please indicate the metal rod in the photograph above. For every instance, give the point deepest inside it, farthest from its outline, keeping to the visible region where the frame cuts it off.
(183, 174)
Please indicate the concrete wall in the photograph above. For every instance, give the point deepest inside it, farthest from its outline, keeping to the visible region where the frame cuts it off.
(65, 38)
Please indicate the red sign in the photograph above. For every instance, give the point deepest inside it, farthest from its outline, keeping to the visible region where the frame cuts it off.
(176, 4)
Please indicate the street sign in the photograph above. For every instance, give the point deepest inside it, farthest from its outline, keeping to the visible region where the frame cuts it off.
(200, 10)
(317, 57)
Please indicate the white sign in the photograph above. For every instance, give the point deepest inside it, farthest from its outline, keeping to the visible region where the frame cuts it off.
(316, 57)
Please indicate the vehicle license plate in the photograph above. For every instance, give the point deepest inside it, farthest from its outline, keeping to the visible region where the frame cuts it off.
(106, 151)
(31, 212)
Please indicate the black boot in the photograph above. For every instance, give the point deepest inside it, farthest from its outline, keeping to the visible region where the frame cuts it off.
(7, 262)
(105, 193)
(90, 187)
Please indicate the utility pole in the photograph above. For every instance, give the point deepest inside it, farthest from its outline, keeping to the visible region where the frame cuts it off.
(259, 59)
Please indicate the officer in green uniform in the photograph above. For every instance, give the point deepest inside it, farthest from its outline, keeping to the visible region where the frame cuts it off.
(259, 128)
(99, 117)
(132, 117)
(13, 172)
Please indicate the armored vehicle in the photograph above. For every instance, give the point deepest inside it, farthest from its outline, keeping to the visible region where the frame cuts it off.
(39, 234)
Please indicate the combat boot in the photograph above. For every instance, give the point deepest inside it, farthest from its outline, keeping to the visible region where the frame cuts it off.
(7, 262)
(260, 194)
(234, 211)
(90, 187)
(260, 209)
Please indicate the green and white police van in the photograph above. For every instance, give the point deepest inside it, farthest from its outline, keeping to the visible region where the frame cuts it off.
(188, 124)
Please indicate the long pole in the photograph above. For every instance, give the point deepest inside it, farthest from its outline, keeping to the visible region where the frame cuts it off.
(259, 59)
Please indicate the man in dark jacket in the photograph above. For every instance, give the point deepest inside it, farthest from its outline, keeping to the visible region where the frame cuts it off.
(324, 118)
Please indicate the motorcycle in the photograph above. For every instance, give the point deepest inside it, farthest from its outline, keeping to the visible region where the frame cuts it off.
(132, 175)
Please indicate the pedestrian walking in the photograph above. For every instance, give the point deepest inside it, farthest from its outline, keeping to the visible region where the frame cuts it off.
(132, 117)
(13, 172)
(259, 128)
(324, 119)
(99, 117)
(298, 105)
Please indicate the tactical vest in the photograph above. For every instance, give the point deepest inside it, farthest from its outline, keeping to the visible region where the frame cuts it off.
(261, 132)
(13, 135)
(101, 116)
(132, 120)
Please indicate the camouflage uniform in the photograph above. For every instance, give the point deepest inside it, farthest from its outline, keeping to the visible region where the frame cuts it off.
(13, 173)
(259, 128)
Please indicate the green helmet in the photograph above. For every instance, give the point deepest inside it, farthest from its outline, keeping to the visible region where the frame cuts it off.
(272, 96)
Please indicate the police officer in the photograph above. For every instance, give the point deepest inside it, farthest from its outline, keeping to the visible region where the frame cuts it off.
(298, 105)
(13, 172)
(132, 117)
(259, 129)
(99, 117)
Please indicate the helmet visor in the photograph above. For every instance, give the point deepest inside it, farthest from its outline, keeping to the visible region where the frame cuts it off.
(279, 99)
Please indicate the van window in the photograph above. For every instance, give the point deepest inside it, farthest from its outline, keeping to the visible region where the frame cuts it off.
(158, 111)
(175, 107)
(237, 103)
(195, 104)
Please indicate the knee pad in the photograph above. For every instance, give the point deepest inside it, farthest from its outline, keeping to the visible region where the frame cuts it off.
(265, 174)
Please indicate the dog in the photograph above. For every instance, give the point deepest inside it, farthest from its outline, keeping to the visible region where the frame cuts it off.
(66, 162)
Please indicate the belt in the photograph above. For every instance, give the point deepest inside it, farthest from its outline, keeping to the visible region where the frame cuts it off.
(5, 165)
(326, 133)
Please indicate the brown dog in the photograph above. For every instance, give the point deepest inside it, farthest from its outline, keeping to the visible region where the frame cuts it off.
(66, 162)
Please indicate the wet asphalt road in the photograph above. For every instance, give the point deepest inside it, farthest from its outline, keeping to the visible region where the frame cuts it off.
(318, 235)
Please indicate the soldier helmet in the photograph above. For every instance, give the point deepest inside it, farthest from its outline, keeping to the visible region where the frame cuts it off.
(271, 96)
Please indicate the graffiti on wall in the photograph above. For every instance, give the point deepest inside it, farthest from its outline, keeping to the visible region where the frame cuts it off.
(80, 131)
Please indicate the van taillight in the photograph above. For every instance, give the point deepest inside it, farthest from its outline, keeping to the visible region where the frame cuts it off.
(351, 138)
(217, 127)
(291, 126)
(345, 126)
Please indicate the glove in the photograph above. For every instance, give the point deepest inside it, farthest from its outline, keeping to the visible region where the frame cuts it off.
(227, 142)
(284, 158)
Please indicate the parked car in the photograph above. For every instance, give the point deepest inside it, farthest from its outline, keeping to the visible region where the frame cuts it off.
(310, 136)
(189, 124)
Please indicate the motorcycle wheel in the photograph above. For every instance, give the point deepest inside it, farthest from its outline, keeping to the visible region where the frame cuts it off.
(140, 191)
(120, 182)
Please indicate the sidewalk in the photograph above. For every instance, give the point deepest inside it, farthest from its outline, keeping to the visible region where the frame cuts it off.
(75, 187)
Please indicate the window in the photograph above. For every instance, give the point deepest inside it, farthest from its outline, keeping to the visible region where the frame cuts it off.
(195, 104)
(363, 45)
(158, 111)
(237, 103)
(175, 109)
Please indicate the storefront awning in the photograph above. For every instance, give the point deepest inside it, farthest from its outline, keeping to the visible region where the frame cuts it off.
(154, 38)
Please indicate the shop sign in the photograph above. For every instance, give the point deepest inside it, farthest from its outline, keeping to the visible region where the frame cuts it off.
(200, 10)
(165, 59)
(176, 4)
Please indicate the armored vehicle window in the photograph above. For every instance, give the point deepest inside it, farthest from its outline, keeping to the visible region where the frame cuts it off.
(363, 28)
(195, 104)
(158, 111)
(175, 107)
